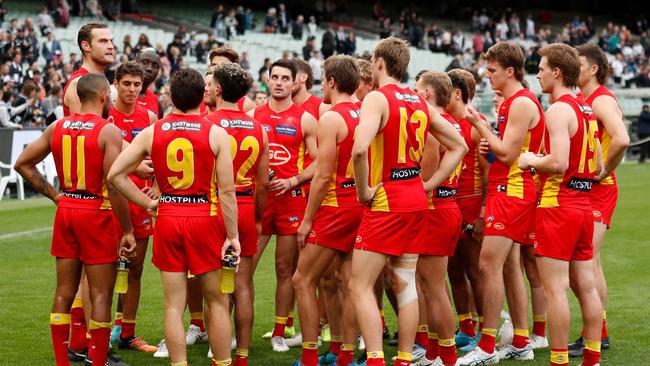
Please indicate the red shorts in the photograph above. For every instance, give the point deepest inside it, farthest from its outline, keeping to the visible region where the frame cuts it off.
(283, 217)
(246, 227)
(508, 216)
(336, 227)
(141, 221)
(442, 232)
(470, 210)
(564, 233)
(392, 233)
(529, 240)
(603, 201)
(88, 235)
(182, 243)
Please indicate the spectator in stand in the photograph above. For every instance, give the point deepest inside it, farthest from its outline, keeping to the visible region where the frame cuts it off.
(240, 17)
(3, 12)
(514, 25)
(458, 41)
(386, 28)
(271, 21)
(44, 21)
(16, 68)
(250, 19)
(175, 60)
(488, 41)
(165, 101)
(312, 27)
(643, 131)
(50, 47)
(260, 97)
(456, 63)
(243, 62)
(27, 96)
(477, 44)
(179, 44)
(216, 22)
(230, 23)
(297, 27)
(283, 19)
(143, 42)
(308, 48)
(5, 113)
(350, 44)
(340, 40)
(263, 79)
(328, 43)
(434, 38)
(618, 65)
(530, 27)
(316, 65)
(502, 29)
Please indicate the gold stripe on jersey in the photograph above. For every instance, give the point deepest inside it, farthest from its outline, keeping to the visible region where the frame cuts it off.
(106, 203)
(81, 163)
(380, 203)
(604, 144)
(214, 207)
(330, 197)
(301, 157)
(550, 191)
(516, 175)
(66, 147)
(478, 181)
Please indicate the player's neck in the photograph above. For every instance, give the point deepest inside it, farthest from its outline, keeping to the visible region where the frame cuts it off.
(511, 88)
(457, 113)
(92, 66)
(143, 92)
(559, 91)
(226, 106)
(337, 98)
(91, 108)
(302, 96)
(280, 105)
(589, 88)
(437, 108)
(194, 111)
(386, 80)
(125, 109)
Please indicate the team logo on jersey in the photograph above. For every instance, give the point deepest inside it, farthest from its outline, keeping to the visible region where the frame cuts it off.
(490, 218)
(501, 119)
(146, 221)
(312, 234)
(499, 226)
(278, 154)
(267, 128)
(355, 113)
(123, 133)
(358, 239)
(166, 126)
(285, 130)
(410, 98)
(71, 125)
(136, 131)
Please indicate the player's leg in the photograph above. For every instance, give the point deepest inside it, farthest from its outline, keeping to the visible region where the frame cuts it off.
(68, 274)
(286, 253)
(217, 314)
(101, 280)
(322, 315)
(555, 280)
(538, 337)
(78, 343)
(196, 332)
(422, 334)
(471, 251)
(403, 273)
(350, 326)
(366, 266)
(462, 296)
(518, 305)
(174, 290)
(244, 311)
(599, 276)
(333, 306)
(313, 262)
(262, 243)
(379, 295)
(116, 332)
(584, 287)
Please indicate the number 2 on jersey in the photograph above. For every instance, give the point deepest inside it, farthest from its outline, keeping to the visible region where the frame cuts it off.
(248, 143)
(184, 165)
(420, 118)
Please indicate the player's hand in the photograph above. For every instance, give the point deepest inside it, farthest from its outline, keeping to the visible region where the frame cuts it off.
(57, 198)
(258, 227)
(483, 147)
(152, 209)
(235, 246)
(526, 160)
(127, 245)
(472, 116)
(367, 195)
(303, 232)
(282, 186)
(477, 234)
(144, 170)
(151, 192)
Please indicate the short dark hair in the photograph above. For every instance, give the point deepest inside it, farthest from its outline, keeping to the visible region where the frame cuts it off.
(89, 86)
(28, 87)
(129, 68)
(303, 66)
(459, 82)
(85, 33)
(596, 56)
(235, 81)
(56, 89)
(419, 74)
(186, 88)
(226, 52)
(345, 72)
(287, 64)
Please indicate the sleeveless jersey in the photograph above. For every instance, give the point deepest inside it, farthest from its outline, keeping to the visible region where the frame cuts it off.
(204, 111)
(149, 101)
(471, 176)
(185, 166)
(79, 162)
(312, 105)
(75, 75)
(396, 151)
(445, 194)
(130, 126)
(246, 146)
(510, 179)
(603, 136)
(571, 189)
(342, 189)
(287, 150)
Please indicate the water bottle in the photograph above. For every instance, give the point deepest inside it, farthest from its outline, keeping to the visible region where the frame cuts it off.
(228, 272)
(122, 282)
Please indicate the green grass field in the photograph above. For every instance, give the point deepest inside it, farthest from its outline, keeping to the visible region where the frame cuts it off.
(27, 282)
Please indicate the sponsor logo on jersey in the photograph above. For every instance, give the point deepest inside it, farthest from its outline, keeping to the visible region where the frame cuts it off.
(237, 123)
(128, 120)
(173, 198)
(445, 192)
(404, 173)
(72, 125)
(80, 195)
(348, 184)
(580, 184)
(267, 128)
(501, 119)
(409, 98)
(123, 133)
(499, 226)
(136, 131)
(181, 125)
(278, 154)
(285, 130)
(355, 113)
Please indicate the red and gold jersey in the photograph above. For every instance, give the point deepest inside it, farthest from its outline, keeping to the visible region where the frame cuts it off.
(396, 151)
(80, 161)
(509, 178)
(342, 190)
(149, 101)
(471, 176)
(603, 136)
(287, 150)
(312, 105)
(77, 74)
(572, 188)
(445, 194)
(130, 126)
(246, 144)
(185, 166)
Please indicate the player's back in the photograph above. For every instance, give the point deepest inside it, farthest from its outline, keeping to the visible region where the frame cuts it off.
(79, 161)
(130, 125)
(184, 166)
(396, 151)
(471, 176)
(247, 145)
(341, 191)
(509, 178)
(445, 194)
(572, 188)
(75, 75)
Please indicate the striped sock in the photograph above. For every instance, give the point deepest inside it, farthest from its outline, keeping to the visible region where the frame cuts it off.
(559, 357)
(280, 325)
(309, 354)
(78, 329)
(60, 329)
(100, 334)
(433, 349)
(375, 359)
(591, 353)
(481, 322)
(290, 317)
(403, 359)
(227, 362)
(241, 357)
(466, 324)
(488, 340)
(335, 344)
(521, 338)
(346, 356)
(128, 329)
(197, 319)
(118, 319)
(539, 325)
(421, 335)
(448, 351)
(604, 332)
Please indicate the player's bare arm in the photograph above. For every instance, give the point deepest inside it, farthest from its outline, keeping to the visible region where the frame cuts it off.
(523, 112)
(430, 157)
(33, 154)
(610, 115)
(71, 99)
(559, 118)
(328, 132)
(262, 181)
(323, 107)
(373, 115)
(126, 163)
(455, 146)
(152, 117)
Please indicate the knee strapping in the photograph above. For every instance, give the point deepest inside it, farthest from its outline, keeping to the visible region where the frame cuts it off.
(404, 269)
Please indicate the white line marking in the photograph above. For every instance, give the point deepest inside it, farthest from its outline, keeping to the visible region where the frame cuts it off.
(23, 233)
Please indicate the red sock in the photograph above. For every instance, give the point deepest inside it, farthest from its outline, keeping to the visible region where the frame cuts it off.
(433, 349)
(488, 340)
(447, 351)
(100, 334)
(559, 357)
(78, 340)
(309, 354)
(539, 325)
(118, 319)
(603, 334)
(60, 329)
(128, 329)
(241, 360)
(467, 326)
(290, 319)
(346, 356)
(521, 338)
(280, 325)
(422, 336)
(376, 359)
(590, 358)
(481, 322)
(197, 320)
(335, 347)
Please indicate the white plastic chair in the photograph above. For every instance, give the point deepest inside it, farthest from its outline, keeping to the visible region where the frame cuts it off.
(12, 177)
